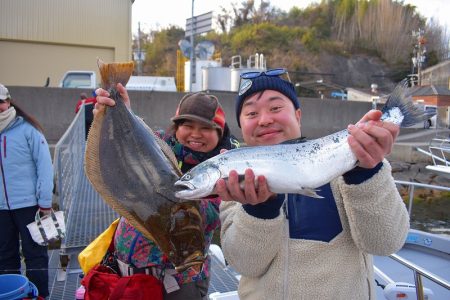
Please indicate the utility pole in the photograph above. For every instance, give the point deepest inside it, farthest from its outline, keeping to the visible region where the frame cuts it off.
(419, 50)
(191, 54)
(139, 66)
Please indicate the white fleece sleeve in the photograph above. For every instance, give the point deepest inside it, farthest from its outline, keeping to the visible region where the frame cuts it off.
(377, 215)
(249, 244)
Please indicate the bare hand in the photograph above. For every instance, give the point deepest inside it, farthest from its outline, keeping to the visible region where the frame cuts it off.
(231, 190)
(104, 100)
(372, 139)
(44, 211)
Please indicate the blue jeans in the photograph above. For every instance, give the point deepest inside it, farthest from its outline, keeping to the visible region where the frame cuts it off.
(13, 224)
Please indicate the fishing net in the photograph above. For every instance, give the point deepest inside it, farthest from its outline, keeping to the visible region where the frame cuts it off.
(87, 215)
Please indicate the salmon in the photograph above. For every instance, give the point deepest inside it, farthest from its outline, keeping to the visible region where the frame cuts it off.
(134, 171)
(296, 166)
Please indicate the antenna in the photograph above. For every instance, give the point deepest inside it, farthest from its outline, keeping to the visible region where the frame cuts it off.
(185, 47)
(204, 50)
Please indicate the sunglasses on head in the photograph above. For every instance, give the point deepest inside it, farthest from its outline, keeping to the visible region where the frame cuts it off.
(271, 72)
(245, 82)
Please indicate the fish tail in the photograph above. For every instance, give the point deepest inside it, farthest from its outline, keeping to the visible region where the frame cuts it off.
(400, 99)
(114, 73)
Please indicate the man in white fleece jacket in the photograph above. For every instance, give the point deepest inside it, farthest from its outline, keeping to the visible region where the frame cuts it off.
(290, 246)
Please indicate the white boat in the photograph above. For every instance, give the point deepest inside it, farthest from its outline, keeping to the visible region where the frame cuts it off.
(424, 261)
(439, 151)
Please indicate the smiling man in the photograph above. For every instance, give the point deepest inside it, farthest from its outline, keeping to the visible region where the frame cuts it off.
(291, 246)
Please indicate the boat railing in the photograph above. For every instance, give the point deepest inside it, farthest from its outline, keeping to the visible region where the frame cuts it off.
(440, 147)
(438, 150)
(413, 185)
(418, 271)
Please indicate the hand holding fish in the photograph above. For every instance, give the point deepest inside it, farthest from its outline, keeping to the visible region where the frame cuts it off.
(371, 139)
(251, 193)
(103, 98)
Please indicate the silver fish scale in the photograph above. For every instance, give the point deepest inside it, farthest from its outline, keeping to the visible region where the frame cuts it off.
(305, 160)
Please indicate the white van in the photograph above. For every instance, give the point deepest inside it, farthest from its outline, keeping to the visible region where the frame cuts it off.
(432, 110)
(79, 79)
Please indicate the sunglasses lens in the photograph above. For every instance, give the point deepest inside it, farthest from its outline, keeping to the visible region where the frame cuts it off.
(275, 72)
(250, 75)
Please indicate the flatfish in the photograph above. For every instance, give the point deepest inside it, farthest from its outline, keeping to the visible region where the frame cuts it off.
(134, 171)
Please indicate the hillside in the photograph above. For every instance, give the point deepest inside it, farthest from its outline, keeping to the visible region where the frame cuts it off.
(359, 41)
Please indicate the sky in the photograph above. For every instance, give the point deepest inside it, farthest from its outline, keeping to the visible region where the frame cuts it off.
(159, 15)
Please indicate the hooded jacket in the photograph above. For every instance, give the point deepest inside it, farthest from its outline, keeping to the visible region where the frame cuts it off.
(26, 170)
(316, 248)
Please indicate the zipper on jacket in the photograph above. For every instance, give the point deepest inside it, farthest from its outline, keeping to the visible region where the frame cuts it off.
(3, 172)
(286, 250)
(4, 146)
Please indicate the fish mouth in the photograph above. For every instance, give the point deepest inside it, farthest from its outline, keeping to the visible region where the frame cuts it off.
(186, 190)
(182, 185)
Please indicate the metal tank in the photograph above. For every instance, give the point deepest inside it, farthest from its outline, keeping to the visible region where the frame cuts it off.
(236, 76)
(199, 65)
(216, 79)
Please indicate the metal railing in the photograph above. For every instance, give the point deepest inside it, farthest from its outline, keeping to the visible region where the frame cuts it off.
(413, 185)
(418, 271)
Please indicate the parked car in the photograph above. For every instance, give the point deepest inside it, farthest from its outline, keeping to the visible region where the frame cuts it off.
(431, 109)
(79, 79)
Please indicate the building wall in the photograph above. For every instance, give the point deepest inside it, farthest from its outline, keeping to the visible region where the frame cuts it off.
(438, 75)
(439, 100)
(46, 38)
(356, 95)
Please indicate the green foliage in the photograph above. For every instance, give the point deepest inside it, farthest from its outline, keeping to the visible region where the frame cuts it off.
(310, 41)
(345, 8)
(380, 28)
(263, 37)
(161, 52)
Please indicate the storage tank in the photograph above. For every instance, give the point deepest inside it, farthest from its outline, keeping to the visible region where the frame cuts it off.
(216, 79)
(199, 65)
(236, 76)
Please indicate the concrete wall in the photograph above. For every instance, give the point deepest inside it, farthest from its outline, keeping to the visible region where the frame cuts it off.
(55, 109)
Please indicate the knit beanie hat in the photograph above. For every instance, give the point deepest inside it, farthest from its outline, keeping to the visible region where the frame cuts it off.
(249, 87)
(201, 107)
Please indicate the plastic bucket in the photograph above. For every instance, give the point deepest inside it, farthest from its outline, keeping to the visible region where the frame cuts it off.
(15, 286)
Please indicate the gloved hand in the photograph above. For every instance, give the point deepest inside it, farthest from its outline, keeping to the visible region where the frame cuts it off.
(44, 211)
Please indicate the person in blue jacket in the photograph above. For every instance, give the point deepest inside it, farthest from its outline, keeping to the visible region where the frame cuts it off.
(26, 187)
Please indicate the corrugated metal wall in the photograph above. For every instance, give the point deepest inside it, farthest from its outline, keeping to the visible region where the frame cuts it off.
(45, 38)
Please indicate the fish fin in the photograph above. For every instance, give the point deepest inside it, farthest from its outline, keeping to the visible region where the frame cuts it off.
(310, 193)
(93, 173)
(401, 98)
(169, 154)
(165, 149)
(113, 73)
(295, 141)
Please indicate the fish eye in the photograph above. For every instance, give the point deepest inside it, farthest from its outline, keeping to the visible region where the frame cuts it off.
(187, 177)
